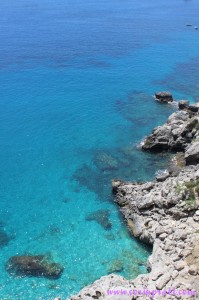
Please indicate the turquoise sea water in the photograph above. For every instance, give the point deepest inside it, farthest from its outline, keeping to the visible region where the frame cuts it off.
(76, 86)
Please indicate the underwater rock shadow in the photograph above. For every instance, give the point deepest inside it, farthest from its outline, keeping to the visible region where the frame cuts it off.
(105, 161)
(95, 181)
(100, 216)
(5, 238)
(183, 78)
(33, 266)
(128, 107)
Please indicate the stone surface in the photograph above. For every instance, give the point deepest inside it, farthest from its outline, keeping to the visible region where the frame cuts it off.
(183, 104)
(164, 97)
(161, 176)
(192, 153)
(175, 135)
(167, 225)
(193, 108)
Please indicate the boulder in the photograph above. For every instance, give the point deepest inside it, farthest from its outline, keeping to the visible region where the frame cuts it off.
(179, 131)
(192, 154)
(162, 175)
(164, 97)
(193, 108)
(183, 104)
(115, 185)
(176, 164)
(33, 265)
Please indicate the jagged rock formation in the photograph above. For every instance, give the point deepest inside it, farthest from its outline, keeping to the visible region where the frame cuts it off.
(164, 97)
(162, 213)
(165, 215)
(176, 134)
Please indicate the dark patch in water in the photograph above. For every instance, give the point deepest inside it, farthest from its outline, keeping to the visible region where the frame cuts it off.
(54, 230)
(50, 232)
(131, 109)
(184, 78)
(143, 112)
(4, 238)
(132, 164)
(33, 265)
(95, 181)
(101, 217)
(105, 161)
(110, 236)
(115, 266)
(66, 200)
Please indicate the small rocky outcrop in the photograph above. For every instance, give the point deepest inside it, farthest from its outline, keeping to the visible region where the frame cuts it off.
(175, 135)
(183, 104)
(194, 108)
(164, 97)
(33, 265)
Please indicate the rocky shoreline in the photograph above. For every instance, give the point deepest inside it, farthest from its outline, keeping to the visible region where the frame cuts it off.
(163, 213)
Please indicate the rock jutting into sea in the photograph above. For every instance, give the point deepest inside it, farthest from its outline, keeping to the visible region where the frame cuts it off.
(164, 97)
(179, 132)
(164, 214)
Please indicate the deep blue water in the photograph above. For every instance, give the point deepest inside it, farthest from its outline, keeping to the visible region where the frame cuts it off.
(76, 86)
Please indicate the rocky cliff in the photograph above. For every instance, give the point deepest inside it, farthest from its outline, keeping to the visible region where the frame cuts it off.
(163, 213)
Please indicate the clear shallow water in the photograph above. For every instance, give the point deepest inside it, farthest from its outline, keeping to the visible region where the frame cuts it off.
(77, 81)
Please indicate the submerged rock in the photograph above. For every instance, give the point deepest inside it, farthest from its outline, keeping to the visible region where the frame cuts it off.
(101, 217)
(110, 236)
(33, 265)
(115, 266)
(105, 162)
(164, 97)
(94, 181)
(4, 238)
